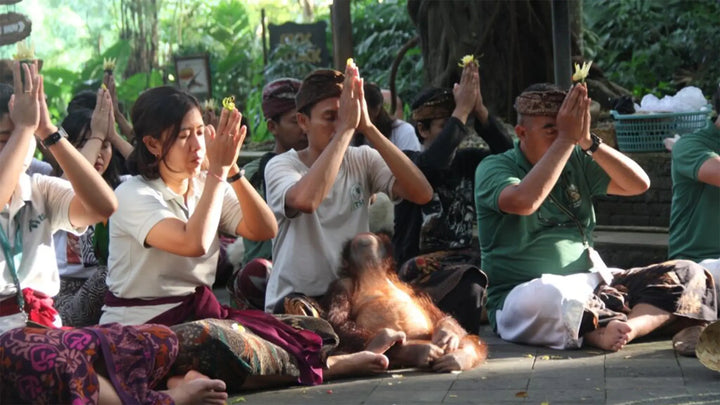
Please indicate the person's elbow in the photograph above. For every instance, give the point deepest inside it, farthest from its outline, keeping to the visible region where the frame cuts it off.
(301, 204)
(424, 195)
(420, 192)
(518, 203)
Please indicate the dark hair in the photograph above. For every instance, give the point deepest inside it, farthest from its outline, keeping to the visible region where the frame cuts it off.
(374, 99)
(425, 96)
(85, 99)
(716, 100)
(6, 91)
(77, 125)
(157, 111)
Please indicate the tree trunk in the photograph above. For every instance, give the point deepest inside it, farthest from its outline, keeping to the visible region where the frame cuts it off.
(513, 39)
(139, 26)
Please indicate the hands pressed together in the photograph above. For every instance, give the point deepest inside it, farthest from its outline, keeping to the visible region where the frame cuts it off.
(223, 145)
(28, 96)
(468, 96)
(573, 119)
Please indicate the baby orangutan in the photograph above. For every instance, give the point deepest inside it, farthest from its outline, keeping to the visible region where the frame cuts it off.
(371, 309)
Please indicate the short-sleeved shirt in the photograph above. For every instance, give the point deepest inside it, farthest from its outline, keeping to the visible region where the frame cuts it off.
(695, 212)
(306, 250)
(39, 206)
(403, 136)
(136, 270)
(518, 248)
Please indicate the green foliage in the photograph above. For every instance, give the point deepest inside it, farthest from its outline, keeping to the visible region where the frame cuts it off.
(379, 31)
(653, 46)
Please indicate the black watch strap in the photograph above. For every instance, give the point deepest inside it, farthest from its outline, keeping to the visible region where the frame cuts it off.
(237, 176)
(596, 141)
(54, 138)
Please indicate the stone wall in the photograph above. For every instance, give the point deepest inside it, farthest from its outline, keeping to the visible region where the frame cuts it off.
(649, 209)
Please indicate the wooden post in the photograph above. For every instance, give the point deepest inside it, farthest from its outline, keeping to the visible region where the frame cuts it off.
(561, 43)
(341, 33)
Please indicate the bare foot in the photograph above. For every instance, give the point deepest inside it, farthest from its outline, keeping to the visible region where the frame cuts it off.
(360, 363)
(613, 337)
(385, 339)
(196, 388)
(415, 354)
(463, 358)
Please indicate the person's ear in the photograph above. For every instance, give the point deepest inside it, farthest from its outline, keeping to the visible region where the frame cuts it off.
(271, 125)
(424, 132)
(303, 121)
(153, 145)
(521, 132)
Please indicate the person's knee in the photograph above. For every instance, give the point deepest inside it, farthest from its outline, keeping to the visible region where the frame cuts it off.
(248, 285)
(538, 298)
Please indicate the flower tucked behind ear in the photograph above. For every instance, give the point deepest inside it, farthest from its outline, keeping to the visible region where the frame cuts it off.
(581, 72)
(229, 103)
(466, 60)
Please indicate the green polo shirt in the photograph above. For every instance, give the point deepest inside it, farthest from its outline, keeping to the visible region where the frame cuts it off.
(695, 212)
(516, 249)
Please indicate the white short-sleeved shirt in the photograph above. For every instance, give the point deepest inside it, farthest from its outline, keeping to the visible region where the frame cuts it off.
(139, 271)
(403, 136)
(39, 206)
(306, 250)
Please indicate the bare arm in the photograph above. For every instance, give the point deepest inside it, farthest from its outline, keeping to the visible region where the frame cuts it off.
(194, 237)
(526, 197)
(258, 221)
(410, 183)
(125, 127)
(24, 113)
(626, 176)
(710, 171)
(307, 194)
(94, 200)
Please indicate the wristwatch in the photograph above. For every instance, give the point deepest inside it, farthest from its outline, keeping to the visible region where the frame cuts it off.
(596, 141)
(54, 138)
(237, 176)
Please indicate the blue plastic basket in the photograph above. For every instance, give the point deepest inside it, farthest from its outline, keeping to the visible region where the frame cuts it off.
(645, 132)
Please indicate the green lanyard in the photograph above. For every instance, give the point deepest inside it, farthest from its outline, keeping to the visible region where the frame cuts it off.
(13, 258)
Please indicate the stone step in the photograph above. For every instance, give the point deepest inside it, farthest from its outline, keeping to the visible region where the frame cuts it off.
(632, 246)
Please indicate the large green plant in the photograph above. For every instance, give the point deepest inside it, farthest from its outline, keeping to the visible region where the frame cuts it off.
(380, 29)
(655, 46)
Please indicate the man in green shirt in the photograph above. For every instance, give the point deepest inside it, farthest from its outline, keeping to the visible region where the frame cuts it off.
(695, 213)
(535, 217)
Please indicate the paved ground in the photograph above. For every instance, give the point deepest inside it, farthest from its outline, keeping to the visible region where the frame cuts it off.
(643, 373)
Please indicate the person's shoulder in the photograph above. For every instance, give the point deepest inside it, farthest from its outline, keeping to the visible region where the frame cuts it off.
(289, 158)
(134, 184)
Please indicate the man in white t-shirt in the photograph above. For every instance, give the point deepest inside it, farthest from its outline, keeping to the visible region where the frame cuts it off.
(33, 208)
(320, 194)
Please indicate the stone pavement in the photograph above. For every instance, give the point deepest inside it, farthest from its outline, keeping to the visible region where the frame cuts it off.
(644, 372)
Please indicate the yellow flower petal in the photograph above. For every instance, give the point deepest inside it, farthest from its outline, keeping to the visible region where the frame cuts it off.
(25, 50)
(109, 64)
(466, 60)
(229, 103)
(581, 72)
(350, 62)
